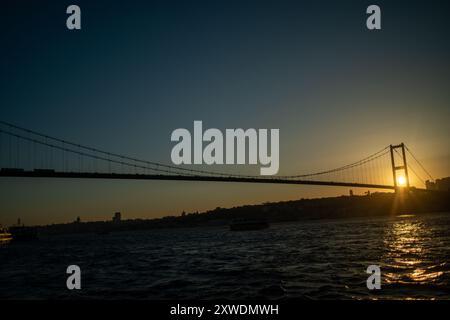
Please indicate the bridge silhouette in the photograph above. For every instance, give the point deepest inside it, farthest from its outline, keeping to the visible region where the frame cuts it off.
(27, 153)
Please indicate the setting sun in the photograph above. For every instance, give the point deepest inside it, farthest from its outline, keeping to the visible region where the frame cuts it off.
(401, 180)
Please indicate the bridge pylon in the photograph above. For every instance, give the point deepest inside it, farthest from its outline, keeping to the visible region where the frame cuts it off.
(402, 167)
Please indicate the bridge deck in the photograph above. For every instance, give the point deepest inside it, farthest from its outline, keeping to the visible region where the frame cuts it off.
(98, 175)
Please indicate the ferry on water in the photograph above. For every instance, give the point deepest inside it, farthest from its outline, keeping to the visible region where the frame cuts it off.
(22, 233)
(5, 236)
(247, 225)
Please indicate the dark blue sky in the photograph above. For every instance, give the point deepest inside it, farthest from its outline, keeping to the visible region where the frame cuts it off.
(140, 69)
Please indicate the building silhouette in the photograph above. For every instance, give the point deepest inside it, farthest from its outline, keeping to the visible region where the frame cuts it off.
(440, 184)
(117, 217)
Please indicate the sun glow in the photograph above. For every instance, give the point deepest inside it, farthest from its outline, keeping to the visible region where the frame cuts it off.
(401, 181)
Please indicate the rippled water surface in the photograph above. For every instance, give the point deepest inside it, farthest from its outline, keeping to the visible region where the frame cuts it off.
(306, 260)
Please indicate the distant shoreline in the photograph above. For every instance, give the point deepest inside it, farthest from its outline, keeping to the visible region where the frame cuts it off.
(371, 205)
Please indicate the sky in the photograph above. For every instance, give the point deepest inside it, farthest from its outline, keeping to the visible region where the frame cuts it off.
(137, 70)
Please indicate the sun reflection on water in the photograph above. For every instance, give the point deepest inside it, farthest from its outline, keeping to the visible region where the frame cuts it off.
(408, 243)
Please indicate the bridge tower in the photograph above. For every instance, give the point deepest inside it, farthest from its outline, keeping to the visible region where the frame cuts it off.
(403, 166)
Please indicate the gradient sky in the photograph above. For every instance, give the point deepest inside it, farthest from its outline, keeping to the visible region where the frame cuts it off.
(140, 69)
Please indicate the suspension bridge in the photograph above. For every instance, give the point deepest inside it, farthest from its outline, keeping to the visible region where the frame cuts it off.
(27, 153)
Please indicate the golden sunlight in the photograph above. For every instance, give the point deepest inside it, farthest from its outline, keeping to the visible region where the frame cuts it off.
(401, 181)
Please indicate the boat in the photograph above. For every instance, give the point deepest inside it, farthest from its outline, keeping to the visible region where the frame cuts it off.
(22, 233)
(103, 232)
(245, 225)
(5, 236)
